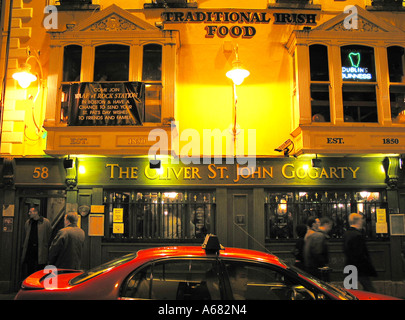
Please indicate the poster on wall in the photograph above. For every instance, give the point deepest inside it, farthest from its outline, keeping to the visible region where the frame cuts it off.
(104, 103)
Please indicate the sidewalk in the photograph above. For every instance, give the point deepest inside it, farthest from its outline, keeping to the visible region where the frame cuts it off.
(7, 296)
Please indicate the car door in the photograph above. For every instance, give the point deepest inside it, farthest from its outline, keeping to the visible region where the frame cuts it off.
(175, 279)
(248, 280)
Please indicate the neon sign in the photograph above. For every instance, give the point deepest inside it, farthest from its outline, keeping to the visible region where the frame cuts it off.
(354, 72)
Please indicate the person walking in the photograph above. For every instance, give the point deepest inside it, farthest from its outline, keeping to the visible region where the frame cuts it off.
(356, 252)
(316, 253)
(66, 249)
(37, 231)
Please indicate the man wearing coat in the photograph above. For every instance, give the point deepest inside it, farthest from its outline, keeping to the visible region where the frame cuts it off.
(66, 249)
(37, 236)
(355, 249)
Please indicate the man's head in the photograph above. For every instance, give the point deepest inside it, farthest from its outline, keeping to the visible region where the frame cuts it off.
(313, 223)
(326, 224)
(33, 213)
(71, 218)
(356, 220)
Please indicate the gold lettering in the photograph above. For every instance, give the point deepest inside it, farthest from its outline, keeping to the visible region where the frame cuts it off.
(187, 174)
(315, 176)
(177, 173)
(324, 173)
(195, 172)
(134, 172)
(211, 168)
(342, 171)
(148, 175)
(111, 169)
(354, 172)
(284, 173)
(126, 172)
(269, 173)
(333, 172)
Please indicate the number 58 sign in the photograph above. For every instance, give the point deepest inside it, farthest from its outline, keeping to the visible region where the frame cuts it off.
(40, 173)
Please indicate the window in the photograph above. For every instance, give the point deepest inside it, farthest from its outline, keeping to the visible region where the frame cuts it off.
(285, 210)
(252, 281)
(111, 63)
(72, 63)
(359, 84)
(175, 280)
(142, 215)
(319, 68)
(111, 68)
(152, 76)
(396, 64)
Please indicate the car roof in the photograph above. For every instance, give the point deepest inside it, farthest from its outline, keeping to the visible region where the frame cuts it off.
(198, 251)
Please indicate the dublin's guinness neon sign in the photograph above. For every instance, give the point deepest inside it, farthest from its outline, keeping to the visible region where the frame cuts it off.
(354, 72)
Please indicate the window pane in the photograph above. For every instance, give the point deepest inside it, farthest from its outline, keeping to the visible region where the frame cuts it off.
(153, 103)
(160, 215)
(396, 63)
(357, 63)
(185, 280)
(111, 63)
(318, 55)
(255, 282)
(397, 100)
(152, 62)
(359, 103)
(320, 102)
(72, 61)
(335, 204)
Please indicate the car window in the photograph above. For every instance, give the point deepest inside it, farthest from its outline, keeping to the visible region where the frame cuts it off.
(253, 281)
(102, 268)
(184, 279)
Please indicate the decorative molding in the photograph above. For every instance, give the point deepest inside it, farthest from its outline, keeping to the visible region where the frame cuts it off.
(362, 26)
(113, 22)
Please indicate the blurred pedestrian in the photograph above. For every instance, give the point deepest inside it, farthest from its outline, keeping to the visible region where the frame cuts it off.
(37, 231)
(298, 252)
(316, 253)
(66, 249)
(356, 252)
(313, 226)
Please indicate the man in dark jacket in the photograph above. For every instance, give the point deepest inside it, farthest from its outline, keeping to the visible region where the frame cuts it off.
(316, 253)
(66, 249)
(356, 253)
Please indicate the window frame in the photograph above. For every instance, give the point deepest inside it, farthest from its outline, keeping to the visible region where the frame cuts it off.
(135, 73)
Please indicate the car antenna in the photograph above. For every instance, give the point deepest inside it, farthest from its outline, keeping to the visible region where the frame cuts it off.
(247, 233)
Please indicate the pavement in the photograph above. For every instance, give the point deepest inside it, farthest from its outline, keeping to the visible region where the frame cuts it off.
(7, 296)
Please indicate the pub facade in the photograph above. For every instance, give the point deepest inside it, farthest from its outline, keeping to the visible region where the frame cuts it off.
(133, 123)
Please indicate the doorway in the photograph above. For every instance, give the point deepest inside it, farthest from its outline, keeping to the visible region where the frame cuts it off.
(51, 204)
(240, 213)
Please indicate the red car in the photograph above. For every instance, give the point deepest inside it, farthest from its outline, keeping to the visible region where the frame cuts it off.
(209, 272)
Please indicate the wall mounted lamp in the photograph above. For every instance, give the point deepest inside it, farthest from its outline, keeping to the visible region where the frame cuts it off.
(237, 74)
(316, 163)
(24, 76)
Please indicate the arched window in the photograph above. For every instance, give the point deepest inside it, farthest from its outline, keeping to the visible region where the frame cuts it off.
(359, 84)
(72, 63)
(319, 67)
(152, 76)
(396, 63)
(111, 63)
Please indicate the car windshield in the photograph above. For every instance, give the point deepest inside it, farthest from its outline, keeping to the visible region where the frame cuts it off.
(102, 268)
(334, 289)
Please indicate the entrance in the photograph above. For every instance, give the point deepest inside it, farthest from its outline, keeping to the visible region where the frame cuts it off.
(51, 205)
(240, 211)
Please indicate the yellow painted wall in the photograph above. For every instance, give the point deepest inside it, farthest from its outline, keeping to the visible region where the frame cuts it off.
(204, 95)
